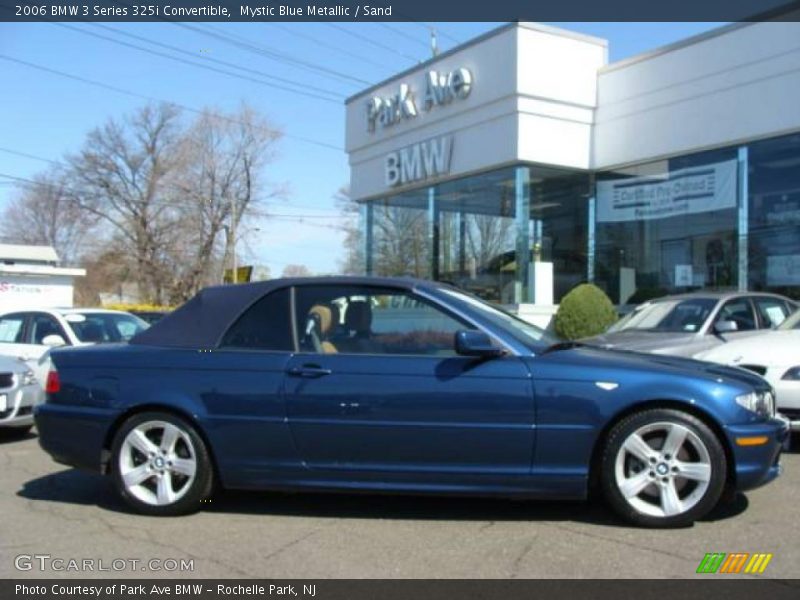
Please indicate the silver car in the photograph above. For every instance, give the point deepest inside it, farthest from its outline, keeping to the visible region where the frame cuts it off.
(19, 393)
(687, 324)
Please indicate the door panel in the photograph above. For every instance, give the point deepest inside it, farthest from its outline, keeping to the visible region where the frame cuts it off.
(390, 413)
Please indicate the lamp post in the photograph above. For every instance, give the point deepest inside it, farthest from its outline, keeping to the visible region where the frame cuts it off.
(234, 274)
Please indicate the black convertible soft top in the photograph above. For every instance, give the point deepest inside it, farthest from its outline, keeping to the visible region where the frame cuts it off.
(202, 321)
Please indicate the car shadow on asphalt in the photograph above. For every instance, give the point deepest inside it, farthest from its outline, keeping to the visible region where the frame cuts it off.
(9, 436)
(73, 486)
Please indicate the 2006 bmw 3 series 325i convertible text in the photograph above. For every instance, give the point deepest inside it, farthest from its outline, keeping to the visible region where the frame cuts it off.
(401, 385)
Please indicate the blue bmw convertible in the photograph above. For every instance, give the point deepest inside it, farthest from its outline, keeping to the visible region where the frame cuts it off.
(400, 385)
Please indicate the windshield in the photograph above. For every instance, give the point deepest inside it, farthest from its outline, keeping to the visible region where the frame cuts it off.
(105, 327)
(524, 332)
(793, 322)
(676, 316)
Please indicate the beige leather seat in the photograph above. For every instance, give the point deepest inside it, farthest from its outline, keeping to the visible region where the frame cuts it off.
(324, 325)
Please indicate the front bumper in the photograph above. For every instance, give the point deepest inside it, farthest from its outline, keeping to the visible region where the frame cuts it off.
(757, 464)
(20, 403)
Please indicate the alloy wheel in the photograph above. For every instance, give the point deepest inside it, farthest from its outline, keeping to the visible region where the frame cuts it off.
(663, 469)
(157, 463)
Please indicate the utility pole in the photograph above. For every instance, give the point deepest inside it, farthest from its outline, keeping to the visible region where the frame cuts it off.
(234, 274)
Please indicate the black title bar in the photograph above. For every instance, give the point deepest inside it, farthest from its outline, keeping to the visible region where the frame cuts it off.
(399, 10)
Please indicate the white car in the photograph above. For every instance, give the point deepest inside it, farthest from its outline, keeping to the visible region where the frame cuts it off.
(29, 335)
(19, 393)
(775, 355)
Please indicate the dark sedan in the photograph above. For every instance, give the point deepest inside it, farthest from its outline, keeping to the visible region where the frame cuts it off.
(405, 386)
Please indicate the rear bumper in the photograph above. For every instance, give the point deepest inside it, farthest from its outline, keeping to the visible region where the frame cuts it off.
(73, 436)
(756, 465)
(20, 404)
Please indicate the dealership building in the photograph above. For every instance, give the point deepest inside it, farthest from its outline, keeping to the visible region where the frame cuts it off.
(522, 163)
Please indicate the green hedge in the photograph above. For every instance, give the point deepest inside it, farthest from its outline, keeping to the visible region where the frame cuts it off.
(585, 311)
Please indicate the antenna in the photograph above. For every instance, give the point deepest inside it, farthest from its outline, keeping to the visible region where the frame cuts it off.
(434, 44)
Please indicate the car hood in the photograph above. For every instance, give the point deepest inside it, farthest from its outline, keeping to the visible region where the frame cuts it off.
(644, 341)
(773, 348)
(586, 362)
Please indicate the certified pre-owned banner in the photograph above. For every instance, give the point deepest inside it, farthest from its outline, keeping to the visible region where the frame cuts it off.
(407, 589)
(680, 192)
(398, 10)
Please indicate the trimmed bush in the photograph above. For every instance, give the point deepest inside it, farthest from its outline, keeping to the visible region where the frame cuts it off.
(585, 311)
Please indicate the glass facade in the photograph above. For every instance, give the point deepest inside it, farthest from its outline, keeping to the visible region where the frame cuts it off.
(471, 231)
(724, 219)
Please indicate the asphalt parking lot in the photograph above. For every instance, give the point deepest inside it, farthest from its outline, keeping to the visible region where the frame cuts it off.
(48, 509)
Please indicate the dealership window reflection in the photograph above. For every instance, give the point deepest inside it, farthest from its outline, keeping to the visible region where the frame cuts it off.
(668, 226)
(774, 215)
(471, 231)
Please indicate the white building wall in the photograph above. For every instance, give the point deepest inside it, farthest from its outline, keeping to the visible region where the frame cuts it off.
(533, 97)
(739, 85)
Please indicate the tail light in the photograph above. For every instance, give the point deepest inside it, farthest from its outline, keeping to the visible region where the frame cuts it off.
(53, 385)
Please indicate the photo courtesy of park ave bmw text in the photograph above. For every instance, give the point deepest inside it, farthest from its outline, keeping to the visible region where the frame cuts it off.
(338, 300)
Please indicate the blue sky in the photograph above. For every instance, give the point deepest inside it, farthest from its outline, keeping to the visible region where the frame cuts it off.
(48, 116)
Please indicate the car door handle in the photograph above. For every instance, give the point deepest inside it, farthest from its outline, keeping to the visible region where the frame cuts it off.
(309, 371)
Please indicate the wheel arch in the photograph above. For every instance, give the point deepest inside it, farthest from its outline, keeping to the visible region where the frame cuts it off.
(692, 409)
(105, 453)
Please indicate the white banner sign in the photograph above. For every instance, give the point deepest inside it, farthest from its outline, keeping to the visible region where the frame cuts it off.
(783, 269)
(682, 192)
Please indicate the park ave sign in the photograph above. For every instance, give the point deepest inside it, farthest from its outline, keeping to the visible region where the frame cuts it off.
(440, 89)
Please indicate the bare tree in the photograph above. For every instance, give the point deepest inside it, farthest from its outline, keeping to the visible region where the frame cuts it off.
(46, 213)
(354, 262)
(224, 182)
(123, 176)
(296, 271)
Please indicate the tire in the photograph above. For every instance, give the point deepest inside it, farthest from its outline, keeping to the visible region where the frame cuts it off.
(160, 465)
(653, 486)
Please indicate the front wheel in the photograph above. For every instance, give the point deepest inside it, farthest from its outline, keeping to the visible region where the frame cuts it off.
(161, 466)
(663, 468)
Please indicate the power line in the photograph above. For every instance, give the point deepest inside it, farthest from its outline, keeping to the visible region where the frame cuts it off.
(132, 94)
(438, 29)
(262, 50)
(33, 156)
(402, 33)
(372, 42)
(195, 64)
(174, 186)
(298, 84)
(333, 47)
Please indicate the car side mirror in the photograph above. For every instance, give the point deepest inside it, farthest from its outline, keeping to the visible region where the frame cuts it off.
(476, 343)
(53, 340)
(725, 326)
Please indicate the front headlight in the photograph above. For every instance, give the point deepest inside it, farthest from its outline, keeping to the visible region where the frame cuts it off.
(28, 378)
(792, 374)
(761, 403)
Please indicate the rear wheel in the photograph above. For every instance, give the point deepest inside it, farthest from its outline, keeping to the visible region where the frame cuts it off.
(161, 466)
(663, 468)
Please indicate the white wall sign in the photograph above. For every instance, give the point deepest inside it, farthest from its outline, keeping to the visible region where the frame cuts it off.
(684, 276)
(783, 269)
(440, 89)
(681, 192)
(419, 161)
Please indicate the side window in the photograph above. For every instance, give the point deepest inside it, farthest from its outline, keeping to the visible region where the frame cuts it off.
(370, 320)
(266, 325)
(772, 311)
(740, 311)
(43, 325)
(12, 329)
